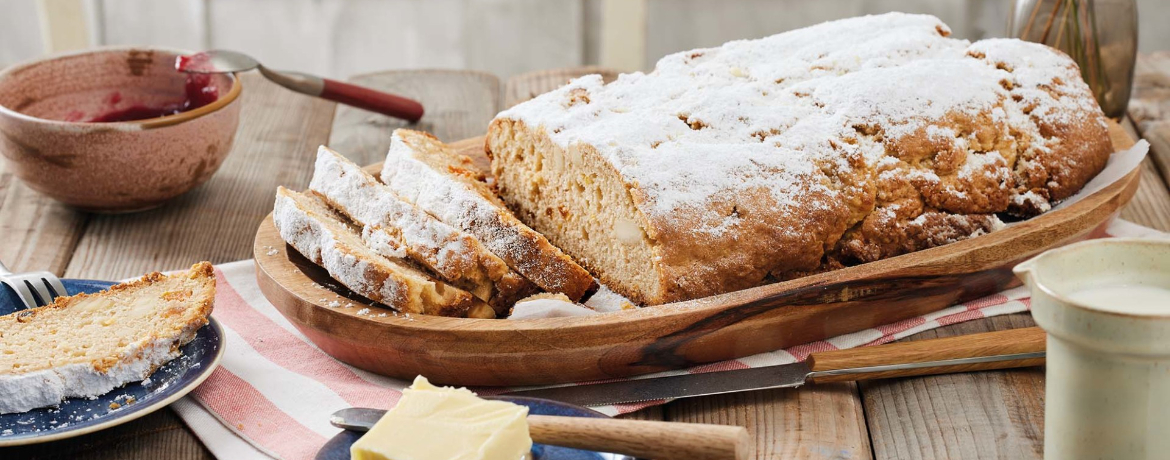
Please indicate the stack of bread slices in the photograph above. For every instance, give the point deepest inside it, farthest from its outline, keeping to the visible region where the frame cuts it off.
(429, 236)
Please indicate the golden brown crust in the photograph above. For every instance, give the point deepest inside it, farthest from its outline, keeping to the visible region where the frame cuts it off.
(883, 235)
(941, 182)
(201, 270)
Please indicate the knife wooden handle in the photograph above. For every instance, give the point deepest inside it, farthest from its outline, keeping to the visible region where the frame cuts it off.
(644, 439)
(1023, 340)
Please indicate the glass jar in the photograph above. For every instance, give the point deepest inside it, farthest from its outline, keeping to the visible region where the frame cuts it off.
(1100, 35)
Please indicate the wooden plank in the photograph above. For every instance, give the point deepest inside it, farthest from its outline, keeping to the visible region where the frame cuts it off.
(526, 86)
(971, 415)
(1150, 119)
(158, 435)
(458, 103)
(278, 135)
(1151, 204)
(38, 233)
(825, 421)
(1149, 106)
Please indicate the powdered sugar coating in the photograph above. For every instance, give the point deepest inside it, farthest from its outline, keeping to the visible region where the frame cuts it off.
(762, 160)
(1044, 78)
(441, 196)
(390, 223)
(23, 392)
(322, 245)
(383, 243)
(606, 300)
(773, 113)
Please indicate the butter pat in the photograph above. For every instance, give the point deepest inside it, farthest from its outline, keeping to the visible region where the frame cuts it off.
(439, 423)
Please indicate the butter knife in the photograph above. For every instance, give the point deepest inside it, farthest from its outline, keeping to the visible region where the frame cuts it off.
(637, 438)
(991, 350)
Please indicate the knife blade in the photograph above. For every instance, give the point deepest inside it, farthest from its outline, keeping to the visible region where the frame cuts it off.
(675, 386)
(995, 350)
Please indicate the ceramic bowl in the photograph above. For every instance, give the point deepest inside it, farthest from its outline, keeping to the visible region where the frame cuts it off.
(119, 166)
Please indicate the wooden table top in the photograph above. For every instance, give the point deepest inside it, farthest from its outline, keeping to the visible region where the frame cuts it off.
(973, 415)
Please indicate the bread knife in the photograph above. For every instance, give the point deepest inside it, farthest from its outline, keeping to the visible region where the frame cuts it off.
(992, 350)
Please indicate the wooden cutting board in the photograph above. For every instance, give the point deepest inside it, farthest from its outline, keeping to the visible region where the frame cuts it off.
(459, 351)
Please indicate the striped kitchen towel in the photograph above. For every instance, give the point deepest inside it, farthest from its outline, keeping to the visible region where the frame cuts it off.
(273, 392)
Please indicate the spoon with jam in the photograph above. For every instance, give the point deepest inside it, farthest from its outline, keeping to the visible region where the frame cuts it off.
(223, 61)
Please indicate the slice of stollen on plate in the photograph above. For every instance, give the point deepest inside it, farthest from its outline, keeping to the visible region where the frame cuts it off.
(307, 223)
(428, 173)
(86, 345)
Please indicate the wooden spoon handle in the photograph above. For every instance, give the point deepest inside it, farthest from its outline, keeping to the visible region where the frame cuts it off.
(346, 93)
(372, 100)
(643, 439)
(1014, 341)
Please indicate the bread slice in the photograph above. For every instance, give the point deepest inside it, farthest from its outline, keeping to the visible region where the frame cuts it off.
(88, 344)
(307, 223)
(393, 227)
(426, 172)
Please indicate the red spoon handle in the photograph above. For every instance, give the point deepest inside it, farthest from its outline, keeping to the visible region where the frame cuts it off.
(374, 101)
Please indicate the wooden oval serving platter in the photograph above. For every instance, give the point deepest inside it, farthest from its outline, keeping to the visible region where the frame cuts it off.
(462, 351)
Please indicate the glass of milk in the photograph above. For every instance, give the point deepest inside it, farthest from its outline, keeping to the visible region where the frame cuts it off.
(1106, 307)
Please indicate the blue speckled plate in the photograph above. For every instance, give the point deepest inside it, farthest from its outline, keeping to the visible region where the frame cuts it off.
(338, 447)
(78, 416)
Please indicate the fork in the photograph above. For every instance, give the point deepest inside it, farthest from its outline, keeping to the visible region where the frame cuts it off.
(35, 289)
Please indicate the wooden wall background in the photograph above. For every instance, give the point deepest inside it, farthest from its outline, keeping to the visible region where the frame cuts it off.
(340, 38)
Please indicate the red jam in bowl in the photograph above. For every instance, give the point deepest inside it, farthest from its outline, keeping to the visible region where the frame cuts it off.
(198, 92)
